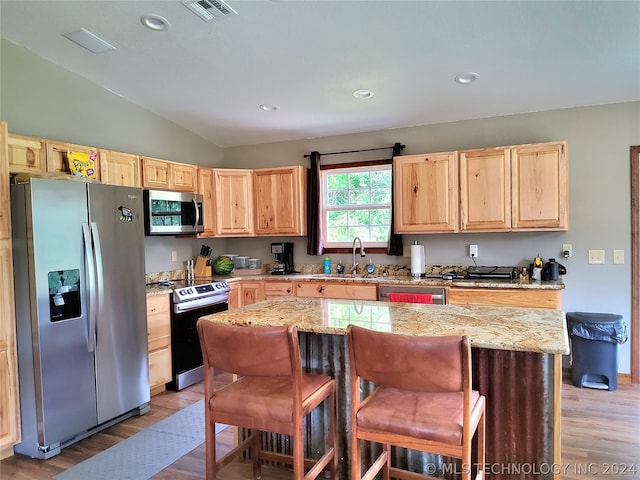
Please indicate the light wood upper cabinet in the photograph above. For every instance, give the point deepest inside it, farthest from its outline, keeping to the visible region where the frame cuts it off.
(159, 341)
(57, 161)
(155, 173)
(540, 187)
(26, 155)
(485, 189)
(117, 168)
(425, 191)
(234, 202)
(5, 212)
(205, 188)
(280, 200)
(182, 177)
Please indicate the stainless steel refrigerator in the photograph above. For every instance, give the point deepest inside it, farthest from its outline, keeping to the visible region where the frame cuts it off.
(78, 253)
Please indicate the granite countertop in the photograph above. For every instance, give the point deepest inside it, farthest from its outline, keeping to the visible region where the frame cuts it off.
(498, 328)
(157, 289)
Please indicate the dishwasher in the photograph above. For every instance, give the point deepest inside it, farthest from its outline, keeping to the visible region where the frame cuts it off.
(438, 294)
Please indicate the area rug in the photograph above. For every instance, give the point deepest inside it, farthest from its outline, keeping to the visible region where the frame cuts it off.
(144, 454)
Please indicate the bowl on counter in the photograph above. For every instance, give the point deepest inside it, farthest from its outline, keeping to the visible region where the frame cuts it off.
(240, 262)
(254, 263)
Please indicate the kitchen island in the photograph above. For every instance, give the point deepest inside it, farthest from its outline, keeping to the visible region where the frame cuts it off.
(516, 365)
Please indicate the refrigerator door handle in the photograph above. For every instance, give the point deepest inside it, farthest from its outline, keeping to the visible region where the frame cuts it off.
(97, 252)
(91, 284)
(195, 205)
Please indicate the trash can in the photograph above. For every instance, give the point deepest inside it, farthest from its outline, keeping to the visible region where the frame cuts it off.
(595, 341)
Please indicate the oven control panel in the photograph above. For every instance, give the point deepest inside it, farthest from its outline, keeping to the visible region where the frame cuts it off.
(193, 292)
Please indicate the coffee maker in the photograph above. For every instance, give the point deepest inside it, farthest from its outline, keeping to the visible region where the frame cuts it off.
(283, 253)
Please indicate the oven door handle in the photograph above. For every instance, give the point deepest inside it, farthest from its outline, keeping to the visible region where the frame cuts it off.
(198, 303)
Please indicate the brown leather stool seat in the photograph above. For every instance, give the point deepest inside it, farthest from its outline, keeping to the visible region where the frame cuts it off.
(422, 401)
(271, 394)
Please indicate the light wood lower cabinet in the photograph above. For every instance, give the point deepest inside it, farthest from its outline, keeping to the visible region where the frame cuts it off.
(234, 295)
(351, 291)
(251, 292)
(277, 289)
(528, 298)
(159, 338)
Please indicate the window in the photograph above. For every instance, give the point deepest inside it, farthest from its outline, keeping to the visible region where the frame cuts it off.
(356, 202)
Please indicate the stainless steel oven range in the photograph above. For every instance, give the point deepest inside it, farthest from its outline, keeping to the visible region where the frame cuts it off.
(188, 304)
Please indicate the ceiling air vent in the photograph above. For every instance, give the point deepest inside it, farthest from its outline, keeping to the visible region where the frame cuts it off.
(208, 10)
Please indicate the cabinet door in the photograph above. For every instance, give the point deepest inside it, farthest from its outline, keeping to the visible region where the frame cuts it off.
(9, 406)
(117, 168)
(159, 342)
(485, 190)
(251, 292)
(182, 177)
(354, 291)
(155, 173)
(5, 211)
(540, 187)
(57, 161)
(279, 289)
(425, 189)
(279, 200)
(234, 296)
(234, 202)
(26, 155)
(205, 188)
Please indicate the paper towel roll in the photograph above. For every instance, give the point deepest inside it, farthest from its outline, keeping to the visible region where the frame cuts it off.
(417, 260)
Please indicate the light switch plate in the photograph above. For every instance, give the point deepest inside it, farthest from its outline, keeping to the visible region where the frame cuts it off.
(596, 257)
(174, 256)
(618, 257)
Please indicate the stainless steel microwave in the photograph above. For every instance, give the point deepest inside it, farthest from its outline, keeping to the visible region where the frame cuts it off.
(172, 213)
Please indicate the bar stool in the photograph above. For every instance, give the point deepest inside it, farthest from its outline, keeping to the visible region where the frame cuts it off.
(422, 401)
(271, 394)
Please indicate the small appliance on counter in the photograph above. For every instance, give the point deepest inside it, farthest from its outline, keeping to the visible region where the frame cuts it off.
(492, 272)
(283, 253)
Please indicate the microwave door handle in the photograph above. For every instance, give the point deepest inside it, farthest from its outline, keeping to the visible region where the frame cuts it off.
(195, 205)
(91, 280)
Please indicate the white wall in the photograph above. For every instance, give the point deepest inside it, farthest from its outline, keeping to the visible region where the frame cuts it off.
(599, 184)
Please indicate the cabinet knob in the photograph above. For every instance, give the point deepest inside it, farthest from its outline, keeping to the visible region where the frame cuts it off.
(321, 289)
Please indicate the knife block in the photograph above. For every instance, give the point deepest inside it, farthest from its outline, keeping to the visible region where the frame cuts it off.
(201, 269)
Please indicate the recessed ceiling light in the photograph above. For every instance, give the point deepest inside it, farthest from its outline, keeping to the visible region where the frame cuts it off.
(465, 78)
(362, 93)
(268, 107)
(154, 22)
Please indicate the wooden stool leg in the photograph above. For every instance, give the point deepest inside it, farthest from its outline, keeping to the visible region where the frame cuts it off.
(386, 469)
(333, 435)
(256, 446)
(481, 446)
(298, 454)
(210, 451)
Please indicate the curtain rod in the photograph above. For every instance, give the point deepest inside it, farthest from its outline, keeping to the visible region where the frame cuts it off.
(356, 151)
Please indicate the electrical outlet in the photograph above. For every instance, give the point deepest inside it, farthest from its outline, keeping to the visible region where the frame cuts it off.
(473, 251)
(174, 256)
(596, 257)
(566, 250)
(618, 257)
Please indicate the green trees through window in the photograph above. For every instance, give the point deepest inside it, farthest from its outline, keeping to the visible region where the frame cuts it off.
(357, 203)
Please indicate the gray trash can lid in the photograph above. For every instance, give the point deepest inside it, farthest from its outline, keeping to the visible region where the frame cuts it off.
(605, 327)
(588, 317)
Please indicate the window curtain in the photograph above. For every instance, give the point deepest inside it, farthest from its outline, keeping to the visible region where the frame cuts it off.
(314, 232)
(394, 245)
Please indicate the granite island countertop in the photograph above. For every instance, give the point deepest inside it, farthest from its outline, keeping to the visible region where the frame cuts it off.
(498, 328)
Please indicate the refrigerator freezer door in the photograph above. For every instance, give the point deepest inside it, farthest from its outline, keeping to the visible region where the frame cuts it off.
(122, 372)
(60, 374)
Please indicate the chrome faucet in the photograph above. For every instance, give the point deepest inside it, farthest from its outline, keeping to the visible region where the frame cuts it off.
(354, 267)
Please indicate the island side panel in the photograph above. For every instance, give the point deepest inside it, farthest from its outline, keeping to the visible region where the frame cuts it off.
(519, 387)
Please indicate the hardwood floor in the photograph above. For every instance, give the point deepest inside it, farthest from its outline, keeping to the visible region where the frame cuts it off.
(600, 439)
